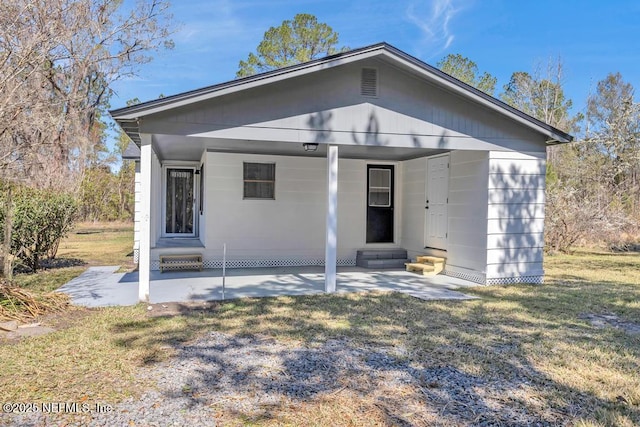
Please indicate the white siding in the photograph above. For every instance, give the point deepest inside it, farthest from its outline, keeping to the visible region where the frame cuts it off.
(202, 218)
(467, 240)
(137, 194)
(293, 225)
(516, 216)
(156, 199)
(413, 202)
(467, 214)
(327, 107)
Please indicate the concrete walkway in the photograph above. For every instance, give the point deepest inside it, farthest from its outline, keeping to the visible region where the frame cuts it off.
(101, 286)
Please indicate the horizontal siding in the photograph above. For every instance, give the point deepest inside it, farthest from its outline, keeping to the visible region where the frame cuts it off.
(514, 269)
(293, 225)
(467, 240)
(516, 155)
(137, 206)
(156, 199)
(414, 174)
(516, 181)
(410, 111)
(515, 255)
(521, 241)
(516, 196)
(515, 210)
(515, 225)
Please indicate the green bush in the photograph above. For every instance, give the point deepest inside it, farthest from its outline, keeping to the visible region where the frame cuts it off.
(41, 218)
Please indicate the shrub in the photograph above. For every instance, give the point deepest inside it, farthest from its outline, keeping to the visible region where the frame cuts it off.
(41, 218)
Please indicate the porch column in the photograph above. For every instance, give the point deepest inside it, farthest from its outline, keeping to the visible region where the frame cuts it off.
(330, 256)
(144, 260)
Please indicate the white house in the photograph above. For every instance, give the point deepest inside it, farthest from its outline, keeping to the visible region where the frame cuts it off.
(305, 165)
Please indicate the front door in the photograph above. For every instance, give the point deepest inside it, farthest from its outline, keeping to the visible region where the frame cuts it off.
(436, 211)
(179, 208)
(379, 204)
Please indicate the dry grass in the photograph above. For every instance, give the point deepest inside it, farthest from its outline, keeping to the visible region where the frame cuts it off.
(88, 244)
(19, 304)
(533, 340)
(83, 361)
(100, 244)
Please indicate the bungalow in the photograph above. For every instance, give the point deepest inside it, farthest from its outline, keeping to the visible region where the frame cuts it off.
(366, 149)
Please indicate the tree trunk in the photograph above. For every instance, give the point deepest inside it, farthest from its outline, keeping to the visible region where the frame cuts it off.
(8, 228)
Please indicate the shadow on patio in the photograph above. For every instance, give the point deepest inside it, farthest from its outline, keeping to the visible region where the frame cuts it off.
(104, 289)
(270, 282)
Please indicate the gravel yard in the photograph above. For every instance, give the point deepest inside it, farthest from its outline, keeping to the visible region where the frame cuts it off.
(222, 377)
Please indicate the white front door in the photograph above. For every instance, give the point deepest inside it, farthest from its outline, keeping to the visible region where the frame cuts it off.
(436, 215)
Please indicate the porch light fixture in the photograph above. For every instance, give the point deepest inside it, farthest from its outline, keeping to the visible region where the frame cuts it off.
(310, 146)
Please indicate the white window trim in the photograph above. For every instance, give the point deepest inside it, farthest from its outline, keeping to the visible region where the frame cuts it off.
(388, 189)
(163, 199)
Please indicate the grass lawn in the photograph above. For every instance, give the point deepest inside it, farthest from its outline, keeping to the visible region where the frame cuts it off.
(550, 340)
(88, 244)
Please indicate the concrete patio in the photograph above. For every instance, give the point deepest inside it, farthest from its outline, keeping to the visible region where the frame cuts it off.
(102, 286)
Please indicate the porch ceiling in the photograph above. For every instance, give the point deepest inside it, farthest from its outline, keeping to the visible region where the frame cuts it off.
(173, 147)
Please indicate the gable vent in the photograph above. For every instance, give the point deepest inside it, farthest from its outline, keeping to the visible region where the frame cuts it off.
(369, 82)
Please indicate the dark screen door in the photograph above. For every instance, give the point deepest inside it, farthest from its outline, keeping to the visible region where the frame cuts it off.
(379, 204)
(179, 207)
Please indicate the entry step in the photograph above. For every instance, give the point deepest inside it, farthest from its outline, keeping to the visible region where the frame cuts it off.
(181, 262)
(427, 265)
(381, 258)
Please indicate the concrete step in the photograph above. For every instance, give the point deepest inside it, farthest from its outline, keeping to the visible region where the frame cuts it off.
(381, 263)
(381, 254)
(381, 258)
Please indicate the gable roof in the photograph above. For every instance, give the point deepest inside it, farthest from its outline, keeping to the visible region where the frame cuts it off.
(127, 117)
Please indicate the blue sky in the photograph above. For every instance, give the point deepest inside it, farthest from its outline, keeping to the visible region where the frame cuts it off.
(592, 38)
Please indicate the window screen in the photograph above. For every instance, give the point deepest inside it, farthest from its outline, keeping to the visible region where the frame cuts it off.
(259, 180)
(179, 201)
(380, 187)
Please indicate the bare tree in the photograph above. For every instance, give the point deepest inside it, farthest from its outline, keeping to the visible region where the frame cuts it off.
(58, 62)
(613, 116)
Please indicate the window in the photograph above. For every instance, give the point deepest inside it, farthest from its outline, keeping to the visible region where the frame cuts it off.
(179, 218)
(380, 187)
(259, 180)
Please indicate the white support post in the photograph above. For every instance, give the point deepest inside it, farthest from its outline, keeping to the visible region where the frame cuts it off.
(144, 264)
(330, 257)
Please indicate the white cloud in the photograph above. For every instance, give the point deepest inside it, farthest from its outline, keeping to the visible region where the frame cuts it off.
(433, 18)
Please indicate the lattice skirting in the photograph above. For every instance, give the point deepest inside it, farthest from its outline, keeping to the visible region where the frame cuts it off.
(536, 280)
(474, 277)
(481, 279)
(262, 263)
(136, 256)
